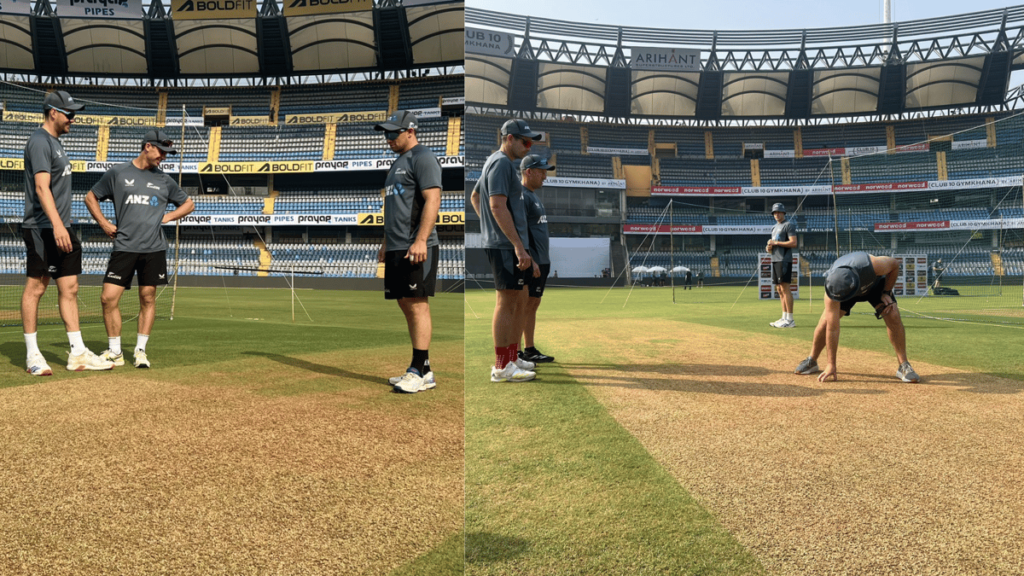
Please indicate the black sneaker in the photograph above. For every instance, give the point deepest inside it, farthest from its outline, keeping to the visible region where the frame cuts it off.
(537, 358)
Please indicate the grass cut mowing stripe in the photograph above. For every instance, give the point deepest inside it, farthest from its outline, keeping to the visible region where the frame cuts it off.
(554, 485)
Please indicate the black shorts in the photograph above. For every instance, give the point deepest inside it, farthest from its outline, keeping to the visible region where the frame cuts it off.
(504, 266)
(782, 272)
(151, 266)
(44, 258)
(535, 284)
(873, 297)
(403, 279)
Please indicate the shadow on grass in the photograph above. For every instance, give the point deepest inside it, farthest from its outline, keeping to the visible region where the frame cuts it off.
(320, 368)
(977, 383)
(487, 548)
(699, 378)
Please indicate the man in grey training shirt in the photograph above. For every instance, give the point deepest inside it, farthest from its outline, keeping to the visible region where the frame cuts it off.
(140, 193)
(53, 250)
(858, 277)
(534, 172)
(498, 200)
(410, 251)
(781, 246)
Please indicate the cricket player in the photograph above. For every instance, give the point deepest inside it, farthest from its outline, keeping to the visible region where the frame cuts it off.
(534, 170)
(780, 246)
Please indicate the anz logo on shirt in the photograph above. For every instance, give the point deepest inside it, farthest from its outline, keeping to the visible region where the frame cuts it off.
(394, 189)
(141, 199)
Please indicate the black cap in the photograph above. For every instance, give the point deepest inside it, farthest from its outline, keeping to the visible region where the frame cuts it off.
(400, 120)
(160, 140)
(62, 100)
(519, 128)
(778, 207)
(534, 161)
(842, 283)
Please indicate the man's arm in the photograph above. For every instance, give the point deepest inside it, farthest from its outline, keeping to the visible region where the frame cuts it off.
(888, 267)
(474, 199)
(832, 314)
(185, 209)
(45, 195)
(432, 204)
(791, 243)
(93, 204)
(508, 226)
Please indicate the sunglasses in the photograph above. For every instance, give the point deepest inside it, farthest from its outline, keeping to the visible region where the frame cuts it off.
(526, 141)
(392, 134)
(69, 115)
(158, 143)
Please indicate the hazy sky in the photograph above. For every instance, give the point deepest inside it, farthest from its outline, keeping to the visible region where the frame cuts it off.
(735, 14)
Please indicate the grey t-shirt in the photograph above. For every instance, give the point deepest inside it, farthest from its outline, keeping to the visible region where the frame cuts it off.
(782, 232)
(413, 172)
(44, 153)
(859, 262)
(140, 201)
(498, 178)
(537, 219)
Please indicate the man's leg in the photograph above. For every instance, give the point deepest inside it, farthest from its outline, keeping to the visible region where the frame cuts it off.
(30, 297)
(147, 310)
(504, 323)
(110, 298)
(787, 299)
(530, 325)
(67, 299)
(417, 317)
(897, 334)
(818, 344)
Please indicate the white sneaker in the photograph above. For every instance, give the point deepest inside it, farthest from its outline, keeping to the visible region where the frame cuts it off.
(88, 361)
(141, 361)
(411, 382)
(117, 359)
(787, 324)
(524, 364)
(511, 373)
(778, 323)
(36, 365)
(394, 380)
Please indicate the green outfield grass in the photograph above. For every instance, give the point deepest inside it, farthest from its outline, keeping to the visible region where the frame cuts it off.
(241, 345)
(554, 485)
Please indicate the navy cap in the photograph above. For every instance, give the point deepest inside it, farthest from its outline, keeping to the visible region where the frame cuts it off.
(160, 140)
(778, 207)
(400, 120)
(62, 100)
(842, 284)
(534, 161)
(519, 128)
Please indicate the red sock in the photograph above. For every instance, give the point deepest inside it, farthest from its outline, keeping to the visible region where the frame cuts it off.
(499, 357)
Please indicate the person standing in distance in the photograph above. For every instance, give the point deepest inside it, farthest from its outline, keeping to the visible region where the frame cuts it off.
(534, 170)
(858, 277)
(780, 246)
(140, 192)
(53, 250)
(498, 200)
(411, 250)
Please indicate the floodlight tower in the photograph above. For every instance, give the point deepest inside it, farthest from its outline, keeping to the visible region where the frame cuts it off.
(887, 8)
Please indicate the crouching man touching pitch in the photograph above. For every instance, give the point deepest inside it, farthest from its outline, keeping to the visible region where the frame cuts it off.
(140, 192)
(411, 249)
(858, 277)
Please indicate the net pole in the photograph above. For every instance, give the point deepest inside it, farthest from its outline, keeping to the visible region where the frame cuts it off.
(293, 294)
(177, 223)
(671, 247)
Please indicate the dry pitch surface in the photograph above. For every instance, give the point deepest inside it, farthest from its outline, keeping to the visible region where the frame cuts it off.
(139, 473)
(864, 476)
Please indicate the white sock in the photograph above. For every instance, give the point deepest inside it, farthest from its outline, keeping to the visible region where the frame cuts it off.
(115, 344)
(31, 344)
(788, 316)
(141, 344)
(77, 346)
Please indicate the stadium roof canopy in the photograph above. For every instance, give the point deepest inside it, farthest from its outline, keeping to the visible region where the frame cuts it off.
(524, 64)
(226, 38)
